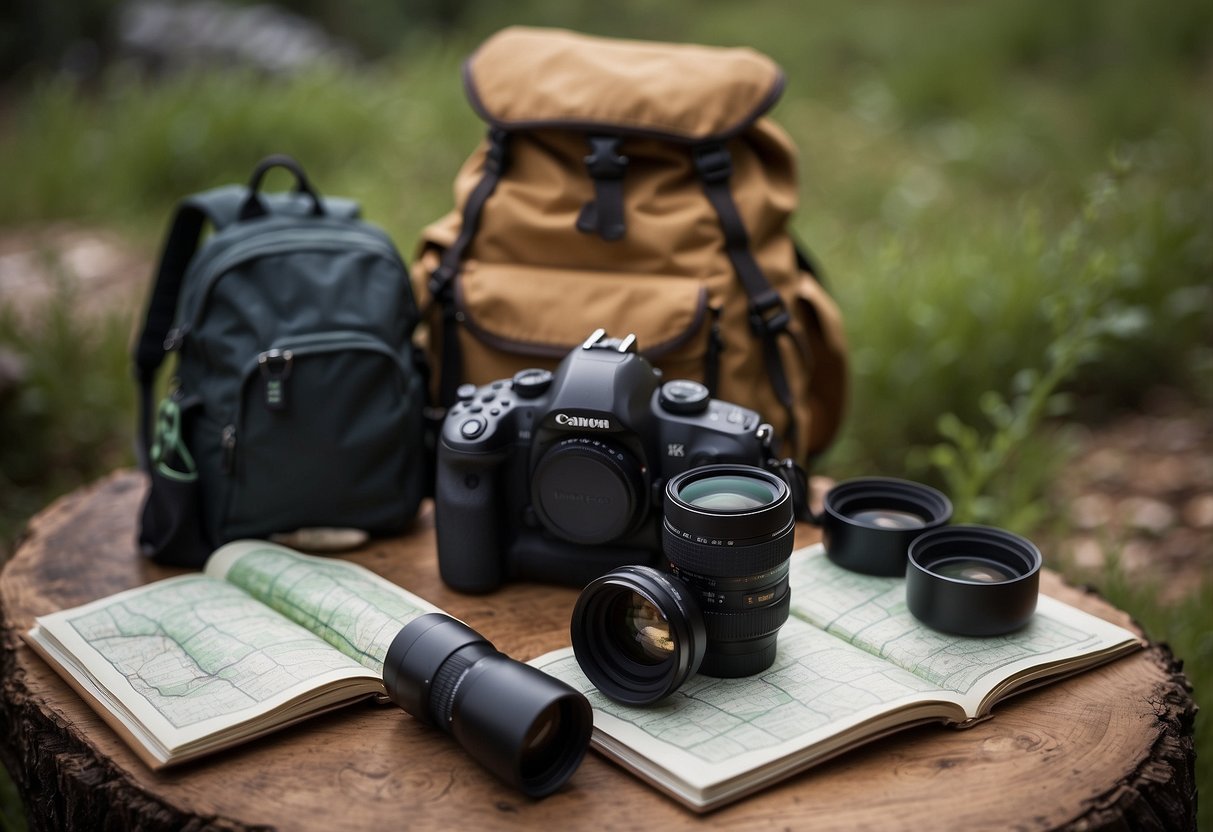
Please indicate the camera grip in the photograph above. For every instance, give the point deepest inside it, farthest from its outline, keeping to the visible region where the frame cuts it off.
(467, 523)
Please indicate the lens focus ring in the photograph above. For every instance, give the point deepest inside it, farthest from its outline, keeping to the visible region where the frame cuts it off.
(752, 623)
(726, 561)
(446, 680)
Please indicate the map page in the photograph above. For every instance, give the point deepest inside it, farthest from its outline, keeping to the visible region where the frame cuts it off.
(700, 740)
(348, 606)
(185, 658)
(870, 613)
(852, 665)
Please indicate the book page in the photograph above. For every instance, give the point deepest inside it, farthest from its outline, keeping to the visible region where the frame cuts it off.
(713, 730)
(348, 606)
(186, 657)
(870, 612)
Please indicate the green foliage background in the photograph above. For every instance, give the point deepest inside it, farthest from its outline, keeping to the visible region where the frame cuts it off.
(1013, 202)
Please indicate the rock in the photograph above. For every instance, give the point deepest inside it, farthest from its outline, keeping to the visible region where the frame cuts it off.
(1087, 553)
(1147, 514)
(1091, 511)
(1198, 511)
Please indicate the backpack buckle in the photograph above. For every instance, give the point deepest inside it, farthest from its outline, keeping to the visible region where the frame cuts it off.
(605, 161)
(439, 283)
(496, 157)
(713, 162)
(768, 314)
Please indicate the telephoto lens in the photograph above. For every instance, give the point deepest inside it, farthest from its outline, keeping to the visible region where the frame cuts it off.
(728, 534)
(529, 729)
(639, 633)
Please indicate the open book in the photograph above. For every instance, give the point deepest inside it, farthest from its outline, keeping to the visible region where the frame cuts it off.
(852, 665)
(263, 638)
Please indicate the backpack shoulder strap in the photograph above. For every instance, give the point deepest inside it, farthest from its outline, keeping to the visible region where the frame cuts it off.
(768, 313)
(219, 207)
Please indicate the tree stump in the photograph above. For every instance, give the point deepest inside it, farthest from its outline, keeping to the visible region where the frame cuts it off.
(1111, 748)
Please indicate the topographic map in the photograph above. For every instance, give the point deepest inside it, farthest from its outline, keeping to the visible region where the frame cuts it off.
(197, 648)
(816, 679)
(264, 622)
(871, 613)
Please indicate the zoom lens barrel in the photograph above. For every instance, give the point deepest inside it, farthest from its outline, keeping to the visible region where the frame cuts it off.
(529, 729)
(728, 534)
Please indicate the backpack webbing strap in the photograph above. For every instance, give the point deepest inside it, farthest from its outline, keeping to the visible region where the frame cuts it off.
(603, 215)
(442, 281)
(768, 313)
(219, 207)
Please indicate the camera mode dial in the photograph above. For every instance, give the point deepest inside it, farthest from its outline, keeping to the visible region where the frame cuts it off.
(684, 396)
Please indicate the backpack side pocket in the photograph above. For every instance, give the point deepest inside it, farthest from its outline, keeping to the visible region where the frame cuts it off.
(170, 528)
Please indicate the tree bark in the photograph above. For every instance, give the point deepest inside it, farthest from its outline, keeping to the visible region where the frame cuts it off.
(1111, 748)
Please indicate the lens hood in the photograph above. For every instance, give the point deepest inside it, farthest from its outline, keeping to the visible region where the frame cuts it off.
(973, 580)
(868, 523)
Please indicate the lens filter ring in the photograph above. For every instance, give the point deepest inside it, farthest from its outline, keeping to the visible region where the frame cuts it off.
(973, 580)
(638, 634)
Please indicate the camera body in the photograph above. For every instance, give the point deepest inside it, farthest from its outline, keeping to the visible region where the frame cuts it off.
(559, 476)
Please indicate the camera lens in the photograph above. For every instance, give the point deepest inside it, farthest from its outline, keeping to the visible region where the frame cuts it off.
(529, 729)
(728, 534)
(588, 491)
(638, 634)
(868, 523)
(973, 580)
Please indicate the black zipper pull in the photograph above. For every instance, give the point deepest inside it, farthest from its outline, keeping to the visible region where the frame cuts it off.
(275, 368)
(227, 441)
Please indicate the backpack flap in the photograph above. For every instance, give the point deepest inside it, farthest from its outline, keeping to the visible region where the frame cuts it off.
(609, 163)
(524, 78)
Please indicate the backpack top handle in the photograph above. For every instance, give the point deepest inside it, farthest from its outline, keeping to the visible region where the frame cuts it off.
(253, 206)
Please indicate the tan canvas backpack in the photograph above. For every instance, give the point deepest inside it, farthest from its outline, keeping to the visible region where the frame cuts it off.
(633, 186)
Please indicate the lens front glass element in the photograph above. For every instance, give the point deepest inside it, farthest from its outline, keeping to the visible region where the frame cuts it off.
(728, 493)
(543, 745)
(887, 518)
(639, 629)
(975, 570)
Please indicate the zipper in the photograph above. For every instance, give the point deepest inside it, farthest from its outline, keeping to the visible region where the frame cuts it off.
(279, 242)
(275, 367)
(283, 355)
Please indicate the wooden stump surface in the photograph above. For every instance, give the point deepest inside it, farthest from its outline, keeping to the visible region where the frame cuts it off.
(1110, 748)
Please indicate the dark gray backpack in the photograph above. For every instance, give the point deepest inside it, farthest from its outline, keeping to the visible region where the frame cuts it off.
(297, 399)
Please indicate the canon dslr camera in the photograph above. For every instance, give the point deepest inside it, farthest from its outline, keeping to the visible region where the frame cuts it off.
(529, 465)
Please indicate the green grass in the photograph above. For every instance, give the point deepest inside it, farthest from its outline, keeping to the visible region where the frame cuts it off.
(965, 168)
